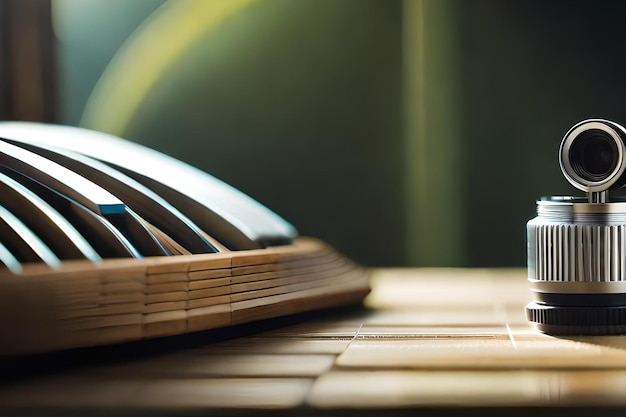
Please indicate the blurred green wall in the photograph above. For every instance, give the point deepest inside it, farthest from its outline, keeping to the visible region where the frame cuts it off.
(529, 71)
(416, 132)
(433, 147)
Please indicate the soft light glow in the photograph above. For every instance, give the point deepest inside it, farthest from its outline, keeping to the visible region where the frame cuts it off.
(159, 41)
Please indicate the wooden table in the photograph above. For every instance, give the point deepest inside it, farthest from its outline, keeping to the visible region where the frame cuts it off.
(433, 341)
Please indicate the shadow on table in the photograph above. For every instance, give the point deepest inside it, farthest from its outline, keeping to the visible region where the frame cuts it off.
(16, 368)
(614, 341)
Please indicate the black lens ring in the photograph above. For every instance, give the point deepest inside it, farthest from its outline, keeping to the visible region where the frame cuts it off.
(588, 154)
(570, 320)
(577, 300)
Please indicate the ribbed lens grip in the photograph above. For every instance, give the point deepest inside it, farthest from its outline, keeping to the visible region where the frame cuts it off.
(577, 267)
(579, 252)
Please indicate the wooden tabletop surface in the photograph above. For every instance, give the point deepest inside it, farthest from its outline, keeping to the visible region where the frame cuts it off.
(440, 341)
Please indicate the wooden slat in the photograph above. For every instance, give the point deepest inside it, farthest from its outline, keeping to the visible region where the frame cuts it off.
(166, 296)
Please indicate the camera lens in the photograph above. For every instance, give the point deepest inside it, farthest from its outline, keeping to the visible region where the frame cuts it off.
(593, 155)
(577, 246)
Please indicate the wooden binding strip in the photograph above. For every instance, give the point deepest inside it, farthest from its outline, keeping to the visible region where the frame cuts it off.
(118, 300)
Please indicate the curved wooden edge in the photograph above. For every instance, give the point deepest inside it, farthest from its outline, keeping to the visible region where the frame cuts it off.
(119, 300)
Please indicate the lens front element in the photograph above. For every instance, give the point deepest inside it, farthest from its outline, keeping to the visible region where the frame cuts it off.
(592, 155)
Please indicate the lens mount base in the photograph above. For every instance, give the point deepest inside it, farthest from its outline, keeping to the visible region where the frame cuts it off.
(577, 320)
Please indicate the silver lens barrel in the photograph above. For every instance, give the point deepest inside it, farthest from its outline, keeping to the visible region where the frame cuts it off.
(592, 155)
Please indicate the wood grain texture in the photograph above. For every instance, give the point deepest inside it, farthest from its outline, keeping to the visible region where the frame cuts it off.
(455, 343)
(165, 296)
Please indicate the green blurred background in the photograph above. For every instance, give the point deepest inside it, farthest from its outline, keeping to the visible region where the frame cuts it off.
(415, 132)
